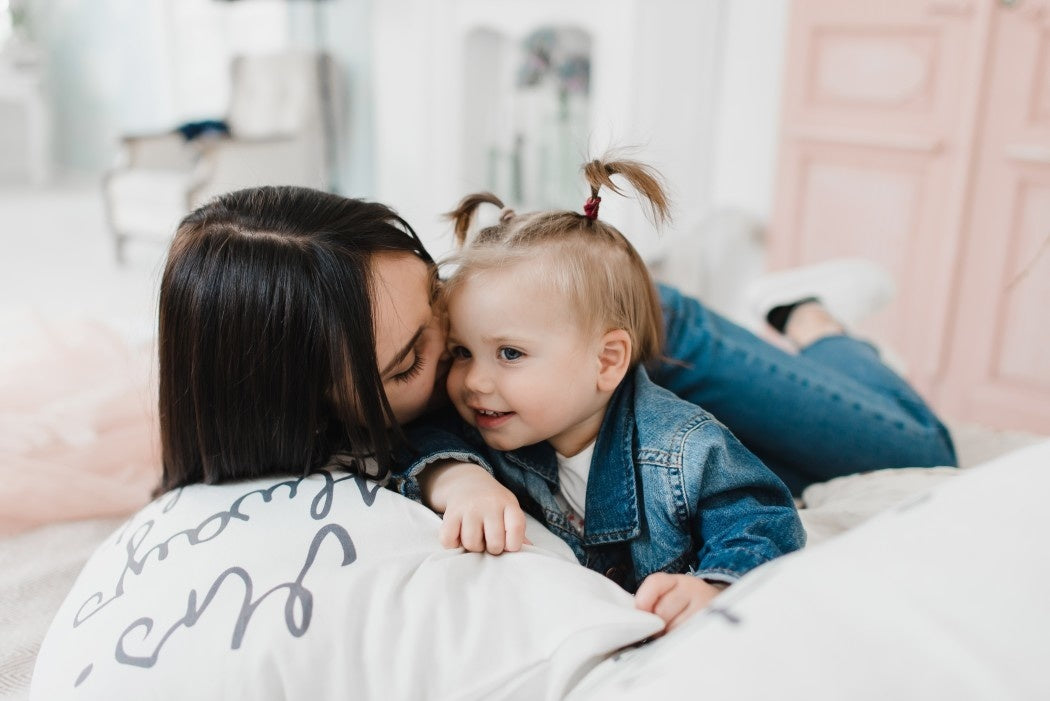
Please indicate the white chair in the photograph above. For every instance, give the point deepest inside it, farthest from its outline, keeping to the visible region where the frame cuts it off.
(281, 128)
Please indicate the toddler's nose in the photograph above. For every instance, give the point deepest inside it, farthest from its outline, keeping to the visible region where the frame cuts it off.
(478, 380)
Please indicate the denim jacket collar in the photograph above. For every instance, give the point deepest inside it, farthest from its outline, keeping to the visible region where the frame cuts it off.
(612, 494)
(538, 458)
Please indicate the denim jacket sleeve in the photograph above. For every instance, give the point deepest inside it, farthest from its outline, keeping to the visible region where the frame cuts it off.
(433, 438)
(744, 514)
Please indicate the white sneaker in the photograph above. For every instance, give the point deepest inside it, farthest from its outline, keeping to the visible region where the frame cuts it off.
(851, 289)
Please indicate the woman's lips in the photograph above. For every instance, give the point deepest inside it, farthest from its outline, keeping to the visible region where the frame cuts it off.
(491, 419)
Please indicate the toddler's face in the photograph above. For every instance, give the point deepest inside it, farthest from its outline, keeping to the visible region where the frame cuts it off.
(522, 370)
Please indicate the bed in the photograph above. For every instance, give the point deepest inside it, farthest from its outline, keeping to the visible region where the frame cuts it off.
(872, 608)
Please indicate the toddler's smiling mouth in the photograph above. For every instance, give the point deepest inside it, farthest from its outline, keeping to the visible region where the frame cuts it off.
(486, 418)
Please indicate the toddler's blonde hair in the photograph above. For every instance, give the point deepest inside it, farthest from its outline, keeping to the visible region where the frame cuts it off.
(589, 262)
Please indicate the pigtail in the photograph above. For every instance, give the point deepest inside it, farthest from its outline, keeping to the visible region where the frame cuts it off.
(642, 178)
(463, 214)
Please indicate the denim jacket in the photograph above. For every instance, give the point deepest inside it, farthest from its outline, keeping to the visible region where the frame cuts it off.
(670, 489)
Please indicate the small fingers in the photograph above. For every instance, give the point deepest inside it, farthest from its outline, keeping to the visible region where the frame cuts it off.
(514, 521)
(495, 534)
(683, 616)
(670, 606)
(448, 535)
(650, 591)
(472, 534)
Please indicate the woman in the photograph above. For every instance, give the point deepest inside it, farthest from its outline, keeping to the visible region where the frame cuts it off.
(297, 325)
(294, 325)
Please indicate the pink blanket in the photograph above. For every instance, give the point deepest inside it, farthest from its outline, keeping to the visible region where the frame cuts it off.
(78, 429)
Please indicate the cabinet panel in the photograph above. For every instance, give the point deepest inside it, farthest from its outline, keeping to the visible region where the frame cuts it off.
(889, 69)
(1041, 94)
(853, 209)
(873, 155)
(917, 134)
(896, 66)
(999, 370)
(853, 202)
(1025, 292)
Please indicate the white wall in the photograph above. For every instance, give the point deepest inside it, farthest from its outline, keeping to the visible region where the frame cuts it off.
(717, 257)
(100, 80)
(748, 114)
(652, 82)
(341, 27)
(121, 66)
(702, 104)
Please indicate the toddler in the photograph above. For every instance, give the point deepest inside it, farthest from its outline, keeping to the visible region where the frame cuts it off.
(552, 319)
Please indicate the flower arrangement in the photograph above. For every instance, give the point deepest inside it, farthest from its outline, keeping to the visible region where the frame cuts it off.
(19, 14)
(559, 57)
(551, 117)
(16, 31)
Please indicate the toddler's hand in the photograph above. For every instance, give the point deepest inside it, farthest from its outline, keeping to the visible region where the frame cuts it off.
(480, 514)
(484, 517)
(674, 597)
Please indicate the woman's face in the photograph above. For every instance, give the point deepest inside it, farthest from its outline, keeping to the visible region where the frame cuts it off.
(410, 337)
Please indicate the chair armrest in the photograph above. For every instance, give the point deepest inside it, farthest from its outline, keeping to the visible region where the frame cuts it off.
(163, 151)
(234, 163)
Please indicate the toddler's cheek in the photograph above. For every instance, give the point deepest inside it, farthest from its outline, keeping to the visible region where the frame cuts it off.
(453, 391)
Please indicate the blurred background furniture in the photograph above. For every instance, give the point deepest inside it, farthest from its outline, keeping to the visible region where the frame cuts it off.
(25, 116)
(278, 120)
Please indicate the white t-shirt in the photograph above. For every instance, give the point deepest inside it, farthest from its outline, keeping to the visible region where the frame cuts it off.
(572, 484)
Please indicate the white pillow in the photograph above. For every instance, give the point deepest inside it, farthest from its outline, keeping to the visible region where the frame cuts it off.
(327, 587)
(942, 597)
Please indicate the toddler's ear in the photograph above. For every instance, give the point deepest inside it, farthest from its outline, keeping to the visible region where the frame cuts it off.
(614, 359)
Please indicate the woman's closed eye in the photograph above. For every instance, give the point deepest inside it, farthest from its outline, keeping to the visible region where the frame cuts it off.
(509, 354)
(413, 370)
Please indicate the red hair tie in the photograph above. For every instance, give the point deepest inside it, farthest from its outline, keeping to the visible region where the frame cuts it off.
(590, 207)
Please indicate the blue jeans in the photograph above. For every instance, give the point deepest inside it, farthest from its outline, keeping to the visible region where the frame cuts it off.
(834, 409)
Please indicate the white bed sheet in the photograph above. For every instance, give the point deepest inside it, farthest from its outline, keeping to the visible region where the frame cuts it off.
(37, 568)
(940, 598)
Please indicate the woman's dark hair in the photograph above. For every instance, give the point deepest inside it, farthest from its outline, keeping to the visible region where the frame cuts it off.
(267, 350)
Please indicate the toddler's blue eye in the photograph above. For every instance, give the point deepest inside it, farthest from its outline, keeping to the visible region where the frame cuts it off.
(509, 354)
(459, 352)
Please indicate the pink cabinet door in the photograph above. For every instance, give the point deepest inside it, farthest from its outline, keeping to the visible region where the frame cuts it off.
(877, 133)
(999, 365)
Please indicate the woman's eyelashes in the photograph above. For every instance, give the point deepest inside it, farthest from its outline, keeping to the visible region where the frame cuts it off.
(412, 371)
